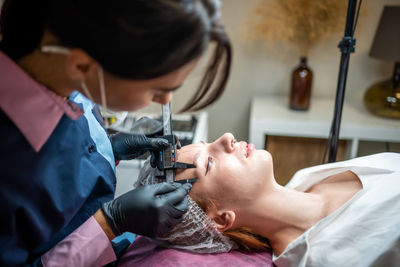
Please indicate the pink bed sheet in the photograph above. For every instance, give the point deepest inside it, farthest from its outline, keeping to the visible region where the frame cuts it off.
(145, 253)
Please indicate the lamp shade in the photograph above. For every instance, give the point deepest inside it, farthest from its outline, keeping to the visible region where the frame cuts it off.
(386, 43)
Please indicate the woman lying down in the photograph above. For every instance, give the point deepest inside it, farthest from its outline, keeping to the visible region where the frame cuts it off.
(341, 214)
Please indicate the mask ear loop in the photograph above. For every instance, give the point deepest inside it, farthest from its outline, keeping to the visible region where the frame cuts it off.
(96, 110)
(86, 91)
(55, 49)
(103, 94)
(65, 51)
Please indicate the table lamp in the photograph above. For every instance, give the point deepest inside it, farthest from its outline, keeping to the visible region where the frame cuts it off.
(383, 98)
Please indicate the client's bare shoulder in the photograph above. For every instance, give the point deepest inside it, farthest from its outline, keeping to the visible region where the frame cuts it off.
(337, 190)
(331, 194)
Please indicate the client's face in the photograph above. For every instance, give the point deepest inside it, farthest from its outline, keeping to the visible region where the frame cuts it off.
(227, 171)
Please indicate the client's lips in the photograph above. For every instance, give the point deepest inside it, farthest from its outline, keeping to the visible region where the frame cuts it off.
(249, 149)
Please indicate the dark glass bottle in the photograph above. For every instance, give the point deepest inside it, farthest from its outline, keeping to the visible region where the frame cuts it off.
(300, 93)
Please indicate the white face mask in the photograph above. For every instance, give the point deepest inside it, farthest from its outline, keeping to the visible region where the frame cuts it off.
(108, 114)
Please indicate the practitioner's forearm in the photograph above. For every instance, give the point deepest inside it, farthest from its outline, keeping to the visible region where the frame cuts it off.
(101, 220)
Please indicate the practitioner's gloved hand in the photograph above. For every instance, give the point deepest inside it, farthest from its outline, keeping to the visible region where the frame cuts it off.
(150, 210)
(130, 146)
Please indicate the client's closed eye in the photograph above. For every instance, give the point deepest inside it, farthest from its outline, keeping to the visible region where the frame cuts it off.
(209, 163)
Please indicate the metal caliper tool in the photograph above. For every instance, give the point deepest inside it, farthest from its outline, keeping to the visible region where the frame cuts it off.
(167, 156)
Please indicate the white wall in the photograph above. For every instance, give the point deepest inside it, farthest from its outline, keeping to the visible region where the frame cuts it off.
(260, 72)
(256, 71)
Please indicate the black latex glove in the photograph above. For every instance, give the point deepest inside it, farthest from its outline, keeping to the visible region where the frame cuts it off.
(150, 210)
(130, 146)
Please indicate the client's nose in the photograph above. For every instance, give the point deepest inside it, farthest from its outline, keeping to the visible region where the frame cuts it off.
(228, 141)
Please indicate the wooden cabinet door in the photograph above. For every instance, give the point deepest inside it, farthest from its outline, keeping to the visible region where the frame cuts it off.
(291, 154)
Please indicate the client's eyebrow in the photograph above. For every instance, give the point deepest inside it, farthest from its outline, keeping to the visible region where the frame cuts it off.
(198, 154)
(196, 157)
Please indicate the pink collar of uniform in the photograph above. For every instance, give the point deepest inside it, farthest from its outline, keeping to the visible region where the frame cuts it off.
(33, 108)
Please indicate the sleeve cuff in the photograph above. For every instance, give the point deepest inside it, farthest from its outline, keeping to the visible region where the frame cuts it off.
(86, 246)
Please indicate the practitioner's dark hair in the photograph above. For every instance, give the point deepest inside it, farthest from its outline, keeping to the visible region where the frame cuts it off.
(133, 39)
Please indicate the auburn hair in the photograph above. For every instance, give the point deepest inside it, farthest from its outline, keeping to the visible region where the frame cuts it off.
(244, 237)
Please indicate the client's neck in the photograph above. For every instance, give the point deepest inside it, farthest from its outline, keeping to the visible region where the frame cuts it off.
(283, 214)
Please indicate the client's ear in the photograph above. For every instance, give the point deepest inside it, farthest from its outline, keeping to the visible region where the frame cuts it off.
(223, 220)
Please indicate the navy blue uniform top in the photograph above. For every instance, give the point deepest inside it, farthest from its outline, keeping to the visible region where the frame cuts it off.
(47, 189)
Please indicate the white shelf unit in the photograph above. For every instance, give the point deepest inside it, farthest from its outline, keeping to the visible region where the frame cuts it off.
(271, 116)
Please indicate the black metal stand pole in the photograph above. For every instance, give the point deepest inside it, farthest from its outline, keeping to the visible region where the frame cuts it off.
(346, 47)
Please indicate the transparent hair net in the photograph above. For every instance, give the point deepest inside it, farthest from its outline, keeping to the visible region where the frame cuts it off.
(196, 233)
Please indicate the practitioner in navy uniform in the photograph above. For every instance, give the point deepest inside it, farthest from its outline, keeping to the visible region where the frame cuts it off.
(59, 58)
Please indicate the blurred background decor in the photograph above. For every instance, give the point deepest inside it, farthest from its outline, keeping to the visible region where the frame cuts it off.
(299, 24)
(383, 97)
(300, 89)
